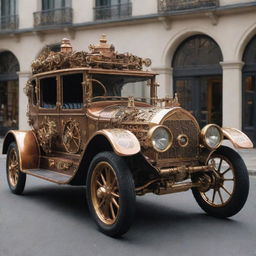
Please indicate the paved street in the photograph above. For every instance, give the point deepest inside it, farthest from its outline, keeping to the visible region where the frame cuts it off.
(53, 220)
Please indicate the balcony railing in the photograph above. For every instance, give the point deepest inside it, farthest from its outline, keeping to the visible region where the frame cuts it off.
(9, 22)
(53, 17)
(175, 5)
(113, 11)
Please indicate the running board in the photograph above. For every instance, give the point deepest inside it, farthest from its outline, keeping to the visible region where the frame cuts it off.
(49, 175)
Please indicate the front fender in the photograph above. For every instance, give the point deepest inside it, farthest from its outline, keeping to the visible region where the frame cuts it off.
(238, 138)
(123, 142)
(28, 147)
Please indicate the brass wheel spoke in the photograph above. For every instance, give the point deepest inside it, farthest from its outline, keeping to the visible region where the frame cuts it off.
(101, 203)
(225, 190)
(221, 199)
(115, 194)
(213, 195)
(220, 164)
(229, 169)
(103, 178)
(115, 202)
(16, 177)
(113, 183)
(229, 179)
(112, 211)
(100, 184)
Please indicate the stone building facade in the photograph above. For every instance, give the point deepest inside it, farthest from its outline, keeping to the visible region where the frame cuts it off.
(205, 50)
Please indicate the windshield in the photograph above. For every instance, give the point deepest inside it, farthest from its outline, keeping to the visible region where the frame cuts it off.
(120, 86)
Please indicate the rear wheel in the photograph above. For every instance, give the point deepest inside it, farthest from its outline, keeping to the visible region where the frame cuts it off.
(15, 178)
(111, 194)
(225, 190)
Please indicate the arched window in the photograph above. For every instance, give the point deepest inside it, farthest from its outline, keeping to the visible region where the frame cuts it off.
(249, 90)
(197, 77)
(9, 91)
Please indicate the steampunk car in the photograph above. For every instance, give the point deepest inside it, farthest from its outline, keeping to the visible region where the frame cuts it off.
(87, 130)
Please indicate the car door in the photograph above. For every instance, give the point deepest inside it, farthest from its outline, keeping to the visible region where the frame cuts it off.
(72, 114)
(48, 114)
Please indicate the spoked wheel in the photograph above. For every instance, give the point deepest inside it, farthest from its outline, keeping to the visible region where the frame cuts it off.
(111, 194)
(15, 178)
(225, 190)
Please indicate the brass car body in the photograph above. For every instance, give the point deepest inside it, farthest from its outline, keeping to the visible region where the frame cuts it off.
(64, 140)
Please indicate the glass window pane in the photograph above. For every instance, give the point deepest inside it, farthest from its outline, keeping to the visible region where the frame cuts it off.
(48, 92)
(72, 91)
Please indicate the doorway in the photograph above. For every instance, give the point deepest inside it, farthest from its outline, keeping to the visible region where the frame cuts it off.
(197, 77)
(202, 96)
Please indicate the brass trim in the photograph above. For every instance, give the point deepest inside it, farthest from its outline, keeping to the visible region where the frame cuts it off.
(151, 133)
(203, 136)
(179, 140)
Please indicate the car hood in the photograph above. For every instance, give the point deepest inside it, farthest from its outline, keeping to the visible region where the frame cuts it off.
(123, 114)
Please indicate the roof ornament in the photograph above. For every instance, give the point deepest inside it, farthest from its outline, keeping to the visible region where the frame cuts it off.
(65, 45)
(102, 56)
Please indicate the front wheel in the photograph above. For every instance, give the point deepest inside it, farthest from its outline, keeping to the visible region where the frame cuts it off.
(15, 178)
(225, 190)
(111, 194)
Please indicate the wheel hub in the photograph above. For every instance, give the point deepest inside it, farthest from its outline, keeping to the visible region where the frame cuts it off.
(103, 192)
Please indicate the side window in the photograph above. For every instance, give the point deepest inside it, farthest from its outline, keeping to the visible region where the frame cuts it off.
(48, 92)
(72, 91)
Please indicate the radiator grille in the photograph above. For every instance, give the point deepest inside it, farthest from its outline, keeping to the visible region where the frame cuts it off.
(177, 128)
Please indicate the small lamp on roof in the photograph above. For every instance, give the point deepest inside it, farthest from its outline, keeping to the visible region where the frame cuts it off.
(65, 45)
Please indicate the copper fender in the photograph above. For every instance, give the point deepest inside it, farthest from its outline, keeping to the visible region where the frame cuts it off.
(238, 138)
(124, 142)
(28, 147)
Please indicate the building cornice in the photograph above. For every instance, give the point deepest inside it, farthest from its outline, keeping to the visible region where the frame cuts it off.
(165, 17)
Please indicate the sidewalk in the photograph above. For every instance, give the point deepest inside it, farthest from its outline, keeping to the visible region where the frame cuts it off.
(249, 156)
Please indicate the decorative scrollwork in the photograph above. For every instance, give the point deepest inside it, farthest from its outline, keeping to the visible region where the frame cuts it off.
(46, 134)
(71, 136)
(100, 56)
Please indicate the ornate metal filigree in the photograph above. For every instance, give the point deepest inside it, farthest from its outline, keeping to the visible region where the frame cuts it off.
(100, 56)
(59, 164)
(47, 132)
(71, 136)
(133, 114)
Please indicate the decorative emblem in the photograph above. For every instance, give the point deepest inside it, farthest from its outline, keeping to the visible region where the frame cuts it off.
(46, 134)
(71, 136)
(183, 140)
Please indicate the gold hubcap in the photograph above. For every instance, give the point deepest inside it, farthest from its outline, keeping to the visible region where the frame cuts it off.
(222, 184)
(13, 168)
(105, 193)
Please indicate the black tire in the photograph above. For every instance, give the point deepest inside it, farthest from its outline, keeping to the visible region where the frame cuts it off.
(112, 220)
(238, 193)
(15, 178)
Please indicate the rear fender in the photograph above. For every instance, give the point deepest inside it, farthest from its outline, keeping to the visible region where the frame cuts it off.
(28, 147)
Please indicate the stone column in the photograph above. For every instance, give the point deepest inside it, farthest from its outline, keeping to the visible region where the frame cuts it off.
(23, 101)
(232, 94)
(165, 80)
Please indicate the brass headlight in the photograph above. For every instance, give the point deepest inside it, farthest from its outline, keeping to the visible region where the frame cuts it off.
(211, 136)
(161, 138)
